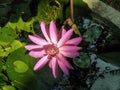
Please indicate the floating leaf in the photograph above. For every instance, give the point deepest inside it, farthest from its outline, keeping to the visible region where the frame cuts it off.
(20, 66)
(15, 45)
(109, 81)
(83, 61)
(20, 71)
(3, 79)
(1, 64)
(4, 51)
(16, 63)
(7, 35)
(44, 79)
(48, 10)
(21, 25)
(8, 87)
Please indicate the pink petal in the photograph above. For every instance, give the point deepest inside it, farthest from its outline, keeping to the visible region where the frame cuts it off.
(50, 64)
(63, 67)
(31, 47)
(45, 30)
(63, 59)
(62, 32)
(74, 41)
(69, 54)
(69, 48)
(54, 67)
(53, 32)
(38, 40)
(41, 63)
(37, 54)
(65, 38)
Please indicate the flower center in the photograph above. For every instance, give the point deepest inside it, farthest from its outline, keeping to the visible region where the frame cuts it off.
(52, 50)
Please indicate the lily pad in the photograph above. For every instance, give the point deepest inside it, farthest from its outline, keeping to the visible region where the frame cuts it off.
(21, 25)
(20, 71)
(20, 66)
(7, 35)
(8, 87)
(44, 79)
(16, 44)
(6, 50)
(3, 79)
(17, 71)
(49, 10)
(1, 64)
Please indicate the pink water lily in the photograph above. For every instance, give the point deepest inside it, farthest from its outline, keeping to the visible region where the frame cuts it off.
(54, 48)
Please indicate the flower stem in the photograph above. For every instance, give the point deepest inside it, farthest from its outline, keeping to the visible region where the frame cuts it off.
(71, 10)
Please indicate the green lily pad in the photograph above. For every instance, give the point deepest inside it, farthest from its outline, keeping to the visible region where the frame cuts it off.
(20, 66)
(49, 10)
(16, 44)
(7, 35)
(20, 71)
(6, 50)
(21, 25)
(8, 87)
(3, 79)
(1, 65)
(44, 79)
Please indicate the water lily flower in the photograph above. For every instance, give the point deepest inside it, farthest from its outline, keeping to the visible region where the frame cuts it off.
(54, 48)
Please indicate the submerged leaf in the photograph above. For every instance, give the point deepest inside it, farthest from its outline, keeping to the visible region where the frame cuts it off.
(111, 57)
(108, 82)
(83, 61)
(92, 34)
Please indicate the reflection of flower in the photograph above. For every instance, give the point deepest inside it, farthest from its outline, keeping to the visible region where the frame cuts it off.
(54, 48)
